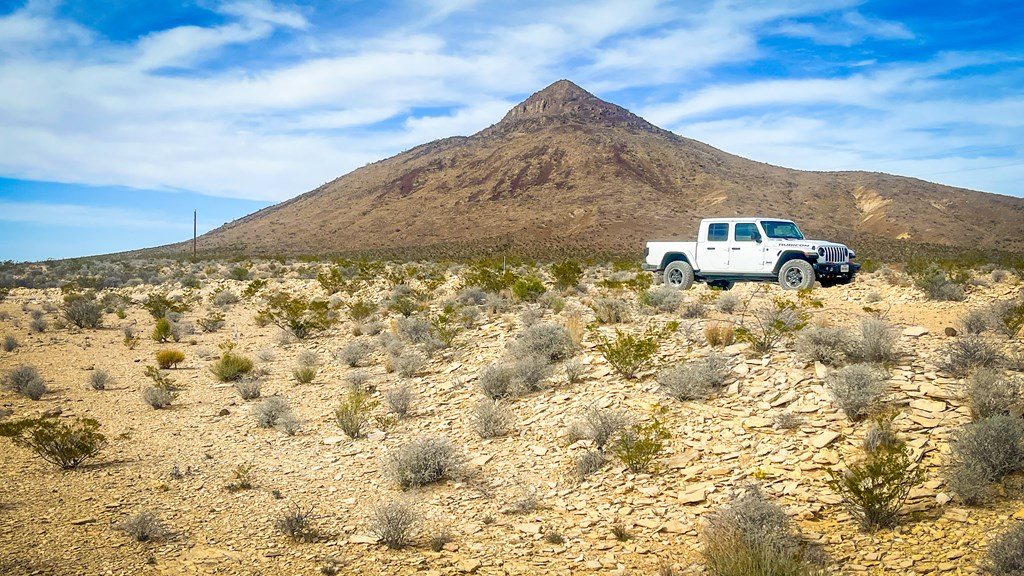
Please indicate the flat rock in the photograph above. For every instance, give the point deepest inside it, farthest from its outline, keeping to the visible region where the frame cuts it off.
(529, 527)
(824, 439)
(915, 331)
(925, 405)
(362, 539)
(469, 566)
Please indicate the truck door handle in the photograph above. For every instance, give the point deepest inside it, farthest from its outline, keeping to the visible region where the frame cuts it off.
(711, 247)
(735, 248)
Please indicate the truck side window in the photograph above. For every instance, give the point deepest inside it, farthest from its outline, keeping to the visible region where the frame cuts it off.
(718, 232)
(746, 232)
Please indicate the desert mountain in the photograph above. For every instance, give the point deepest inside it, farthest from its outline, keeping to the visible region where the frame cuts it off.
(565, 172)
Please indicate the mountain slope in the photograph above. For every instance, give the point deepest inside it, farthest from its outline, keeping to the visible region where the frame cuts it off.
(567, 172)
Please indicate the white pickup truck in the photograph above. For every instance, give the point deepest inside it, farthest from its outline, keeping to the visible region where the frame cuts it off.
(730, 250)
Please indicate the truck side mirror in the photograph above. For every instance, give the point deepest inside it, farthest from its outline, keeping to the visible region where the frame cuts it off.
(757, 238)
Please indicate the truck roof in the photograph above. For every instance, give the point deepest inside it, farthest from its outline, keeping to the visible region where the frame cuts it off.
(744, 219)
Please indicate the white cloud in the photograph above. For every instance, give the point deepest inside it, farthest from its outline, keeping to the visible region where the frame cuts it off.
(83, 216)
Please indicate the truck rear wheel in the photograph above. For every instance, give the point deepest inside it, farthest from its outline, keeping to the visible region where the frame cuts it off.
(796, 275)
(679, 275)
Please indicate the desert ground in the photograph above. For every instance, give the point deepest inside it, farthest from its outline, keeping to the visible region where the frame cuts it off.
(517, 503)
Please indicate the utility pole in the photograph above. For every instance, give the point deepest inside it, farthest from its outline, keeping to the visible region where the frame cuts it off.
(194, 229)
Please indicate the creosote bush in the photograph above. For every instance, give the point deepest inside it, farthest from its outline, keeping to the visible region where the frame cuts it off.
(937, 285)
(875, 489)
(25, 380)
(752, 535)
(230, 366)
(65, 444)
(566, 274)
(628, 353)
(639, 444)
(771, 325)
(169, 358)
(423, 461)
(296, 315)
(394, 523)
(858, 389)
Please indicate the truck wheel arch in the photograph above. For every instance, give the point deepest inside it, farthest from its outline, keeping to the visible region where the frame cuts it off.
(790, 255)
(674, 257)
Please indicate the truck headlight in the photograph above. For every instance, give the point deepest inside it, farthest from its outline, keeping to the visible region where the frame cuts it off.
(821, 251)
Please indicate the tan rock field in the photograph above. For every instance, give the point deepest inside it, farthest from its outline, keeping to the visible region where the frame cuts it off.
(515, 494)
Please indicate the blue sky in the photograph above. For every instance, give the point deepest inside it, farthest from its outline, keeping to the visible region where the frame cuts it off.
(121, 117)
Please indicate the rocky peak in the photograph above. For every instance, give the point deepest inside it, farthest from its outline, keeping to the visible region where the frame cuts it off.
(566, 103)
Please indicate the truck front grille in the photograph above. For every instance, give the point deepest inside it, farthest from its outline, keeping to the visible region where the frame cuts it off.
(835, 254)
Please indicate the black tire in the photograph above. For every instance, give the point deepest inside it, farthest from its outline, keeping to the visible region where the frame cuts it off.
(796, 275)
(679, 275)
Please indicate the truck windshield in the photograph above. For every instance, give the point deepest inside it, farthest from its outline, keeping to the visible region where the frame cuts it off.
(781, 229)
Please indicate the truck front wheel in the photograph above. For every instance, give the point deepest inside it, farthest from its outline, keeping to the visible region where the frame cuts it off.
(679, 275)
(796, 275)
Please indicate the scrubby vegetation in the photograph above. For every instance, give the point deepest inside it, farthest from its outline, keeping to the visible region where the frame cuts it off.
(61, 443)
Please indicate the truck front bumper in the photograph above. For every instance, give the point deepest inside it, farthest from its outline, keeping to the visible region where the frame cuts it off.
(828, 270)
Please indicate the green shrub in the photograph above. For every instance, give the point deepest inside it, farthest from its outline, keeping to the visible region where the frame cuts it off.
(213, 321)
(857, 389)
(254, 287)
(169, 358)
(352, 413)
(1008, 317)
(445, 327)
(163, 332)
(937, 285)
(874, 490)
(752, 536)
(82, 310)
(772, 324)
(159, 305)
(566, 274)
(25, 380)
(304, 374)
(638, 445)
(360, 309)
(528, 289)
(628, 353)
(298, 316)
(1005, 556)
(230, 366)
(423, 461)
(61, 443)
(488, 278)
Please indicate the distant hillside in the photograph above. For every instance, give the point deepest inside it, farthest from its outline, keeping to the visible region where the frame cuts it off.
(567, 173)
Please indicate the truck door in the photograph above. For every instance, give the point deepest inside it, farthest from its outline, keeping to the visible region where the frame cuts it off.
(746, 251)
(714, 252)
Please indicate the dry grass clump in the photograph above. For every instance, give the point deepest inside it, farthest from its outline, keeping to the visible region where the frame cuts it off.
(727, 303)
(719, 334)
(423, 461)
(169, 358)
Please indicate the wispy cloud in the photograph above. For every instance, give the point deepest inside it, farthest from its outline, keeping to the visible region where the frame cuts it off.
(84, 216)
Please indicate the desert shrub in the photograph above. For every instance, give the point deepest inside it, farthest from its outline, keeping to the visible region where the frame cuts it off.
(10, 343)
(990, 393)
(444, 327)
(727, 303)
(983, 452)
(881, 436)
(857, 389)
(1007, 317)
(212, 322)
(271, 411)
(360, 309)
(99, 379)
(158, 397)
(566, 274)
(588, 462)
(82, 310)
(639, 444)
(352, 415)
(610, 310)
(599, 425)
(966, 354)
(1005, 556)
(296, 315)
(787, 421)
(241, 479)
(408, 363)
(549, 341)
(224, 298)
(169, 358)
(38, 325)
(304, 373)
(772, 324)
(394, 524)
(230, 366)
(423, 461)
(937, 285)
(875, 341)
(25, 380)
(399, 400)
(529, 373)
(296, 522)
(824, 344)
(664, 299)
(719, 334)
(248, 387)
(496, 381)
(491, 419)
(353, 352)
(530, 316)
(528, 289)
(752, 535)
(694, 380)
(621, 533)
(162, 332)
(694, 309)
(61, 443)
(159, 305)
(628, 353)
(144, 527)
(574, 371)
(874, 490)
(974, 321)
